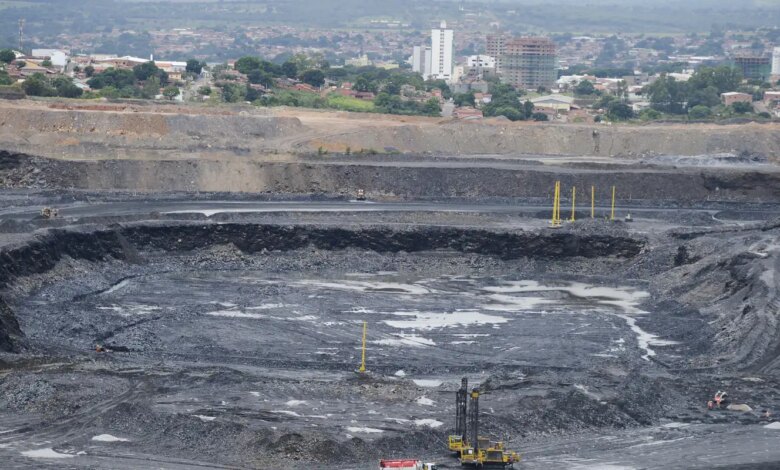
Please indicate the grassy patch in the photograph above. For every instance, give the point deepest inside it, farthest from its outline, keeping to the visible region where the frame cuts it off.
(348, 103)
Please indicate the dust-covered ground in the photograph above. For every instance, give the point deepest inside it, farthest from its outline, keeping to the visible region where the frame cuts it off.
(234, 336)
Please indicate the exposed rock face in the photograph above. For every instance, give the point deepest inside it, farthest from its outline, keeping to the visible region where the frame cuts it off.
(381, 178)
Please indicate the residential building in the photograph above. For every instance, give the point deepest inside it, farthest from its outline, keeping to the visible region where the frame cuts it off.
(481, 62)
(772, 97)
(557, 103)
(495, 46)
(753, 66)
(529, 63)
(735, 97)
(441, 53)
(776, 61)
(360, 61)
(57, 57)
(418, 59)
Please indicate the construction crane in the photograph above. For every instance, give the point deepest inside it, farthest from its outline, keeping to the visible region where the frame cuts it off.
(476, 450)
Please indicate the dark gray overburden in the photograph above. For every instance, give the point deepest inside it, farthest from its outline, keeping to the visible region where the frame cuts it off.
(234, 331)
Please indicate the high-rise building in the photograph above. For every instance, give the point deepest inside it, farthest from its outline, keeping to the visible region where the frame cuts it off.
(495, 47)
(441, 53)
(418, 59)
(529, 63)
(776, 61)
(427, 60)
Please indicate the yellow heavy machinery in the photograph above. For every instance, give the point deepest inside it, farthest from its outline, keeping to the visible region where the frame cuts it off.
(457, 441)
(475, 450)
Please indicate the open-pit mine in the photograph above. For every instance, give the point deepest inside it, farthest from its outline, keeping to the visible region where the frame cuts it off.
(188, 287)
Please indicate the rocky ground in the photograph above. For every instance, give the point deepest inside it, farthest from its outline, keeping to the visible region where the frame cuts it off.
(220, 257)
(234, 339)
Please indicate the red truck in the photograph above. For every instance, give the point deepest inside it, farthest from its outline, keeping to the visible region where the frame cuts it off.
(405, 464)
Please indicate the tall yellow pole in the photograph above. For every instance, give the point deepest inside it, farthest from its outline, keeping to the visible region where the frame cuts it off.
(555, 203)
(363, 355)
(573, 205)
(557, 220)
(612, 214)
(592, 202)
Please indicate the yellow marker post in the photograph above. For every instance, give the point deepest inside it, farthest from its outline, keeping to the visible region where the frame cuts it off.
(573, 205)
(556, 215)
(363, 355)
(592, 202)
(612, 214)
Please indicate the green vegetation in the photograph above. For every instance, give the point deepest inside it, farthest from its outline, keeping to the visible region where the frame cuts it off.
(348, 103)
(505, 102)
(40, 85)
(398, 91)
(703, 90)
(4, 78)
(7, 56)
(195, 66)
(144, 81)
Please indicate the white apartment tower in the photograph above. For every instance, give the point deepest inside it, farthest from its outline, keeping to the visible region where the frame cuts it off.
(776, 61)
(441, 53)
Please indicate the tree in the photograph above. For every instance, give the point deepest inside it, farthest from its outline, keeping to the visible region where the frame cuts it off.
(699, 112)
(111, 77)
(4, 78)
(290, 69)
(247, 64)
(618, 111)
(706, 97)
(46, 63)
(364, 84)
(36, 85)
(233, 93)
(170, 92)
(194, 66)
(7, 56)
(723, 78)
(313, 77)
(147, 70)
(65, 87)
(432, 107)
(464, 99)
(89, 70)
(259, 77)
(539, 117)
(151, 88)
(585, 87)
(649, 114)
(204, 90)
(739, 107)
(667, 95)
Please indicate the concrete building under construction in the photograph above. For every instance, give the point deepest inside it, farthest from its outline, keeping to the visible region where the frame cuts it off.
(753, 66)
(528, 63)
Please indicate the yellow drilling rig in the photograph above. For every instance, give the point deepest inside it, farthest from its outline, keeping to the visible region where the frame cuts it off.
(472, 449)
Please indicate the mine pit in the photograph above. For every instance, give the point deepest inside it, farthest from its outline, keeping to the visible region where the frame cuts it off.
(224, 341)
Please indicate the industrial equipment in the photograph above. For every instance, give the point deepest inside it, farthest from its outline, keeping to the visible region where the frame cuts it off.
(475, 450)
(458, 440)
(49, 213)
(361, 195)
